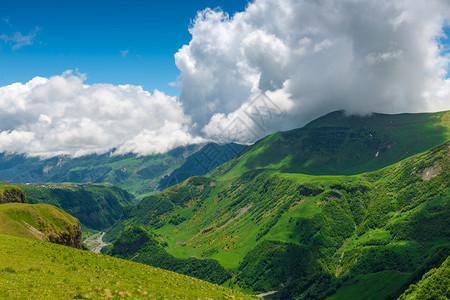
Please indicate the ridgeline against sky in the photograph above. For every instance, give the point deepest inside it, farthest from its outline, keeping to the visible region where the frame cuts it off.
(283, 61)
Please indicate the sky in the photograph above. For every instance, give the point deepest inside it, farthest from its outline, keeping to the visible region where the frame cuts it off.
(118, 42)
(80, 77)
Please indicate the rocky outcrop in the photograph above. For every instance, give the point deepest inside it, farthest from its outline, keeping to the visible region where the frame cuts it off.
(71, 237)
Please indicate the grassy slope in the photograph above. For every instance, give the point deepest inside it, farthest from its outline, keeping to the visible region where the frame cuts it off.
(341, 145)
(39, 270)
(49, 220)
(391, 216)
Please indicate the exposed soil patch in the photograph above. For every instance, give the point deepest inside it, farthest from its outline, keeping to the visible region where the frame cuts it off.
(266, 294)
(429, 173)
(35, 232)
(241, 212)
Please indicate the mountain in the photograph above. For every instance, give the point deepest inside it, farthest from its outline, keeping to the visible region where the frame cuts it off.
(201, 162)
(336, 144)
(139, 175)
(31, 269)
(97, 206)
(344, 208)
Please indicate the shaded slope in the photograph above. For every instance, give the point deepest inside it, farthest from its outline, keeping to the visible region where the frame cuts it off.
(337, 144)
(201, 162)
(47, 271)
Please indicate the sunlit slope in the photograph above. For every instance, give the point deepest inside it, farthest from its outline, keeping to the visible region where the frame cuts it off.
(344, 145)
(32, 269)
(41, 222)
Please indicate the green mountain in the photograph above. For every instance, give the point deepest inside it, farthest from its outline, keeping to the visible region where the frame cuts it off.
(336, 144)
(31, 269)
(345, 208)
(97, 206)
(139, 175)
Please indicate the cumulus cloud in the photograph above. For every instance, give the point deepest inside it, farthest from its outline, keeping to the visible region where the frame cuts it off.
(62, 115)
(310, 57)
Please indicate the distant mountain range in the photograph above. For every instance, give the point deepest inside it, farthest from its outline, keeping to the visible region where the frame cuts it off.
(139, 175)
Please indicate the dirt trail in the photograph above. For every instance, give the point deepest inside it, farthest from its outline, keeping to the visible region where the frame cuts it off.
(266, 294)
(95, 242)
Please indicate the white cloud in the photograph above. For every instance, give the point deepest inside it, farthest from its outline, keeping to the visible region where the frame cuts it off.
(317, 56)
(17, 40)
(61, 114)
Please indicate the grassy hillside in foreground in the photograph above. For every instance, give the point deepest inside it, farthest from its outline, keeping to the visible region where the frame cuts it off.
(359, 229)
(41, 222)
(97, 206)
(37, 270)
(336, 144)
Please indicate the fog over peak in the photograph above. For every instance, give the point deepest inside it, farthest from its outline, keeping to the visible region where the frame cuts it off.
(275, 66)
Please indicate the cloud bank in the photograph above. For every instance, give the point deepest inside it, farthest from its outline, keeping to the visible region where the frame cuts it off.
(61, 115)
(275, 66)
(312, 57)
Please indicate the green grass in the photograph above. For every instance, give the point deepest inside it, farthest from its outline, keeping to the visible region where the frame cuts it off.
(31, 269)
(45, 218)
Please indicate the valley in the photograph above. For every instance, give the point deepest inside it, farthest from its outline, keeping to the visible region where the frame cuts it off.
(346, 207)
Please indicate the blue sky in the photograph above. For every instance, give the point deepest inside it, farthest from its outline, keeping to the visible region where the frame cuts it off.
(118, 42)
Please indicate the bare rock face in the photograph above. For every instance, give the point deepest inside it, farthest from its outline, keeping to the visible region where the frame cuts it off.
(12, 194)
(71, 237)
